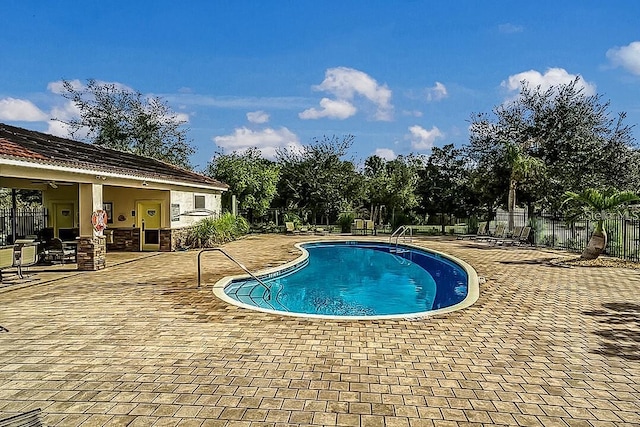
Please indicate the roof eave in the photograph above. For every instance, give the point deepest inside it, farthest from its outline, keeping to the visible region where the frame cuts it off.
(101, 172)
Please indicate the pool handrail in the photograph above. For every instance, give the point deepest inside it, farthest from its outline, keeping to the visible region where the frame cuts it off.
(401, 231)
(267, 287)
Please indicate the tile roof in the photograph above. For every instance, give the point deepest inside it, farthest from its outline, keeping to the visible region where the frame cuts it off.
(38, 147)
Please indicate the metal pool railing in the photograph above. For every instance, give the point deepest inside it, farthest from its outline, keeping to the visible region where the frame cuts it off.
(256, 278)
(401, 232)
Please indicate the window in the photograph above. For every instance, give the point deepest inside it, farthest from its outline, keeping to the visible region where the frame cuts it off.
(199, 202)
(108, 208)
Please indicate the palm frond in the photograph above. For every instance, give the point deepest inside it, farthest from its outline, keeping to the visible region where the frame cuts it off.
(620, 198)
(594, 199)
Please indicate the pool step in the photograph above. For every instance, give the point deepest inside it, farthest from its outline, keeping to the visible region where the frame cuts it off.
(398, 250)
(256, 295)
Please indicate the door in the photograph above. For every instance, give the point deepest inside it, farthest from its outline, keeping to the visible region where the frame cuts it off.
(149, 221)
(63, 217)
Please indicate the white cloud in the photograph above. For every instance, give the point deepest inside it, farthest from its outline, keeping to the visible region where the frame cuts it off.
(181, 117)
(510, 28)
(421, 138)
(385, 153)
(20, 110)
(437, 92)
(63, 113)
(332, 109)
(57, 87)
(627, 57)
(266, 140)
(235, 102)
(552, 77)
(258, 117)
(345, 84)
(58, 128)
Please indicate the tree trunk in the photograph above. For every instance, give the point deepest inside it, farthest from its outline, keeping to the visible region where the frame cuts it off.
(596, 245)
(511, 204)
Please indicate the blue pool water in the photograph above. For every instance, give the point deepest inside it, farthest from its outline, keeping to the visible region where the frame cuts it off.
(359, 279)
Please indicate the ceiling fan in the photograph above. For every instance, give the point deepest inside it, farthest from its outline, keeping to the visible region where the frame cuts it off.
(50, 183)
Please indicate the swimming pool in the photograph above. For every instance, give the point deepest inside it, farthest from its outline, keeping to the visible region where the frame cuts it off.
(355, 279)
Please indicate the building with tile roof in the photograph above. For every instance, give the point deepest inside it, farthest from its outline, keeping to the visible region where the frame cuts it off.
(147, 202)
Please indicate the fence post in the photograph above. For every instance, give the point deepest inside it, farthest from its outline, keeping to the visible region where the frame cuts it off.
(14, 215)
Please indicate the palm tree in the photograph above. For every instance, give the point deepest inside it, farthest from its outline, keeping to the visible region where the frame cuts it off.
(593, 201)
(523, 166)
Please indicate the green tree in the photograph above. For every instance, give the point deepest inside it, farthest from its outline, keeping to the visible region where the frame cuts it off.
(317, 178)
(125, 120)
(573, 134)
(392, 183)
(582, 143)
(445, 184)
(600, 204)
(24, 198)
(251, 178)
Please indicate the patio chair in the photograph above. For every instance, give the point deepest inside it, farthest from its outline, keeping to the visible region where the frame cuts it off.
(482, 230)
(28, 257)
(7, 259)
(57, 252)
(369, 227)
(358, 226)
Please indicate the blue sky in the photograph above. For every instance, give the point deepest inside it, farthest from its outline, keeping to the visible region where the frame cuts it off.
(402, 76)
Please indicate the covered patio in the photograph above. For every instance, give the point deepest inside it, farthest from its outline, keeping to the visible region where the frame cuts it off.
(99, 199)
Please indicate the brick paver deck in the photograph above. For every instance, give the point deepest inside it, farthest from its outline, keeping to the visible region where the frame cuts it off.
(137, 344)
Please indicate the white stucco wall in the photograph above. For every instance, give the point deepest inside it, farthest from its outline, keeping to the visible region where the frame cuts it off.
(184, 202)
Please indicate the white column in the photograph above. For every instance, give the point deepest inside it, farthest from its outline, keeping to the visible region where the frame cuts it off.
(89, 201)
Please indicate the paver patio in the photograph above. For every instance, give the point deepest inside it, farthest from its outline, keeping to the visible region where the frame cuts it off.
(137, 344)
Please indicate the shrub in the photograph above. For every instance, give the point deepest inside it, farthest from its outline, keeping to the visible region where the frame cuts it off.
(210, 232)
(345, 220)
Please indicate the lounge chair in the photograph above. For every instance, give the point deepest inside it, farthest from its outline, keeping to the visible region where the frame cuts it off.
(498, 234)
(498, 239)
(321, 231)
(482, 230)
(517, 239)
(509, 237)
(524, 236)
(290, 228)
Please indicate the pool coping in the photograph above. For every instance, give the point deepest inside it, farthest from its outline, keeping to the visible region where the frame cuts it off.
(473, 285)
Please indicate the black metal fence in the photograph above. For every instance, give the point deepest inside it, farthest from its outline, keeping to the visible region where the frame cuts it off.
(555, 231)
(28, 222)
(623, 235)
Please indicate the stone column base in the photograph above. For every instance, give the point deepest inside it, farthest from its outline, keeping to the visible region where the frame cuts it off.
(92, 253)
